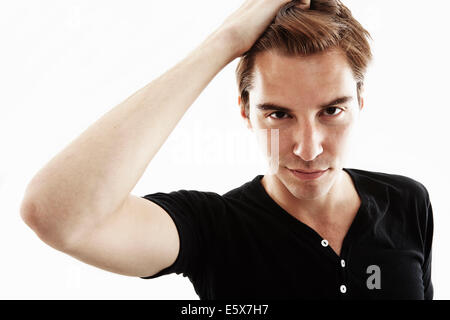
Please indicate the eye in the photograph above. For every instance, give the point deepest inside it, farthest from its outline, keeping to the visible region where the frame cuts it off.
(277, 113)
(331, 111)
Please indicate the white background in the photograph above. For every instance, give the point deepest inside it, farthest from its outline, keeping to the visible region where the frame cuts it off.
(63, 64)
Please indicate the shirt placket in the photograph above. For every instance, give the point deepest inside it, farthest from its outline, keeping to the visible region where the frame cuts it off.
(340, 263)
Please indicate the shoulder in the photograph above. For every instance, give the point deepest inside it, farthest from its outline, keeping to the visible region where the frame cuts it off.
(239, 192)
(394, 183)
(199, 201)
(188, 206)
(406, 198)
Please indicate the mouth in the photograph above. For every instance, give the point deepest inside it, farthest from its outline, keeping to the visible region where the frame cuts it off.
(308, 175)
(309, 171)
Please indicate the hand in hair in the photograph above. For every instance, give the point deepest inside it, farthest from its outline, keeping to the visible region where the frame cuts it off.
(304, 4)
(248, 23)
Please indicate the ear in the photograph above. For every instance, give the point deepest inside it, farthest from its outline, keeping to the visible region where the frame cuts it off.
(362, 103)
(244, 117)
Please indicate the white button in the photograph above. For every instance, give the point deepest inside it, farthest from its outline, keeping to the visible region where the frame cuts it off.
(343, 263)
(343, 289)
(324, 243)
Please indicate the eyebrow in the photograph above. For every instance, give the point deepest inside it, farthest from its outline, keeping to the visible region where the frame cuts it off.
(274, 107)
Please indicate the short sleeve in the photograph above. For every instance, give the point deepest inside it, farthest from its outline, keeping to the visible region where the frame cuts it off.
(193, 213)
(428, 241)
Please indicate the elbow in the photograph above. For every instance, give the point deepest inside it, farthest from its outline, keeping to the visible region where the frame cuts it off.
(28, 213)
(43, 225)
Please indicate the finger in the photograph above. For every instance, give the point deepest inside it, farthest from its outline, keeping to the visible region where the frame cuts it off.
(304, 4)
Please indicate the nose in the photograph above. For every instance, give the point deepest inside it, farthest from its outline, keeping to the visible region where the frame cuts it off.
(308, 142)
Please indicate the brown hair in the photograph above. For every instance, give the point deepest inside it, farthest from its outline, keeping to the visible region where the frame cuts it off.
(326, 25)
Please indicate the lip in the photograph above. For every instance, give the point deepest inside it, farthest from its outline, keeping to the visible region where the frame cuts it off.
(308, 176)
(312, 171)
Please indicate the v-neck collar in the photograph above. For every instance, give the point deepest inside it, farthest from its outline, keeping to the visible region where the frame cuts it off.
(299, 226)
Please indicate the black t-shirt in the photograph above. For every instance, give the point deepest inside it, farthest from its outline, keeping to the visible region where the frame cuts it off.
(243, 245)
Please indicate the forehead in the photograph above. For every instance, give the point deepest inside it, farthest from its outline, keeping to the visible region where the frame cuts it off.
(312, 79)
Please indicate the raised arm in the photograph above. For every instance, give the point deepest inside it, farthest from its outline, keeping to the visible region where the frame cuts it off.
(80, 201)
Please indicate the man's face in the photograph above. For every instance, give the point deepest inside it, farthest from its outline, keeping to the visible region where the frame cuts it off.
(315, 133)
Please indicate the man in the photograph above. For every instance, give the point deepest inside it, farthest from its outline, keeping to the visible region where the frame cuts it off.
(309, 230)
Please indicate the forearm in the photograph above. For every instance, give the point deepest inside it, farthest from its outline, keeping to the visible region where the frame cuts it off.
(94, 174)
